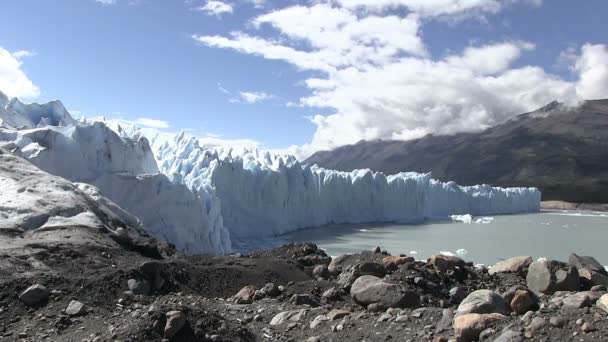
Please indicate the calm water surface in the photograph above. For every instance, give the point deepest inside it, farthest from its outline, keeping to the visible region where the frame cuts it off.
(552, 234)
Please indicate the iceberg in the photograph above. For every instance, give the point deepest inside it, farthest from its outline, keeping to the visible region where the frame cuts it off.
(202, 197)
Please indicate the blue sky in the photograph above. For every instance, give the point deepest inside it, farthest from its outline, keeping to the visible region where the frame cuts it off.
(310, 75)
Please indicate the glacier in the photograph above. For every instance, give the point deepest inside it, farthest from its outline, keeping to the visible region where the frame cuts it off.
(202, 197)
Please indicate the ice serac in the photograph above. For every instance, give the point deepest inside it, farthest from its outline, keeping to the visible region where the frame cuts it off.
(16, 114)
(261, 194)
(125, 171)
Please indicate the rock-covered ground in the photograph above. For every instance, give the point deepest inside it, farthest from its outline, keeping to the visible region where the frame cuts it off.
(75, 292)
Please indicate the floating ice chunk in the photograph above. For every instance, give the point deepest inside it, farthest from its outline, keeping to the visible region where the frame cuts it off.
(462, 252)
(468, 218)
(447, 253)
(413, 253)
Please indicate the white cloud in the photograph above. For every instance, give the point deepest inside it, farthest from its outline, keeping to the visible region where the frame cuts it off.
(23, 53)
(213, 7)
(373, 69)
(254, 96)
(592, 67)
(153, 123)
(106, 2)
(258, 3)
(13, 81)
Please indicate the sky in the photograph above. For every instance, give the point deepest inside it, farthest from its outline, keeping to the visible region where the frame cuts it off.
(303, 76)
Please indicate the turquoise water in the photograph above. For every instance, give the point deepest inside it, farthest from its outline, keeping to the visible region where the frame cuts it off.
(551, 234)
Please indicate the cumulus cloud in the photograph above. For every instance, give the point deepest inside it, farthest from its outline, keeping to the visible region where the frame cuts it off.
(253, 96)
(106, 2)
(592, 66)
(369, 63)
(13, 81)
(153, 123)
(217, 8)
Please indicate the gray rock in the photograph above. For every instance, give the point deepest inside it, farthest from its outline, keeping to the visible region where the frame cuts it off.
(271, 290)
(549, 276)
(317, 321)
(152, 271)
(587, 263)
(514, 265)
(558, 321)
(304, 299)
(457, 294)
(320, 271)
(75, 308)
(337, 314)
(368, 290)
(444, 263)
(587, 327)
(467, 327)
(602, 303)
(139, 287)
(577, 301)
(175, 322)
(537, 324)
(331, 294)
(34, 295)
(510, 336)
(445, 322)
(520, 300)
(287, 316)
(482, 302)
(245, 295)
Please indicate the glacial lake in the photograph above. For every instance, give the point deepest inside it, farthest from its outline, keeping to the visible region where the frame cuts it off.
(551, 234)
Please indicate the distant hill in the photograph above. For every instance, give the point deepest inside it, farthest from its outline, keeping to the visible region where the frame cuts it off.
(559, 149)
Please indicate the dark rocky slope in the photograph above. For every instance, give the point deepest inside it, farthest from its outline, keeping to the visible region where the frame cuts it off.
(561, 150)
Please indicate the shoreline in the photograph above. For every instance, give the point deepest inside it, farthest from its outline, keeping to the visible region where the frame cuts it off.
(562, 205)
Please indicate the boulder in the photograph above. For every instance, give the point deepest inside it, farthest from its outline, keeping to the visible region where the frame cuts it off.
(520, 300)
(320, 271)
(591, 272)
(75, 308)
(482, 302)
(304, 299)
(368, 290)
(337, 314)
(587, 263)
(444, 263)
(513, 265)
(175, 322)
(467, 327)
(532, 329)
(151, 269)
(271, 290)
(245, 295)
(348, 277)
(34, 295)
(549, 276)
(577, 301)
(510, 336)
(523, 301)
(139, 286)
(287, 316)
(393, 262)
(602, 303)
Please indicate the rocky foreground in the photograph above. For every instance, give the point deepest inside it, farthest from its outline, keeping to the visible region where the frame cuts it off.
(74, 292)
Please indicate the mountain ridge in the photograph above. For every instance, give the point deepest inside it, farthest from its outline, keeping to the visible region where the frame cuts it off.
(563, 150)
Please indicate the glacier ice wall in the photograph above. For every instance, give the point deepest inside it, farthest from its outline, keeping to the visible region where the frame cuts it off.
(261, 194)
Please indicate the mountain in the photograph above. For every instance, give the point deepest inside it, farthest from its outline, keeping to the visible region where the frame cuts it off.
(561, 150)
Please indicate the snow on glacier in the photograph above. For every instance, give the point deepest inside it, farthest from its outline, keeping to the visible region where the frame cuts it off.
(207, 196)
